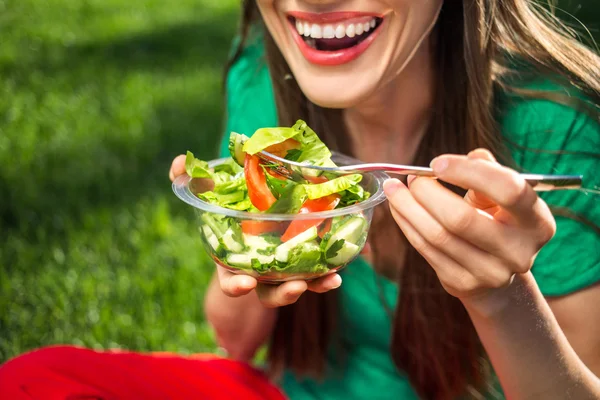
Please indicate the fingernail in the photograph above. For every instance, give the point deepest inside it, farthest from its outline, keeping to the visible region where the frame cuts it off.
(410, 179)
(439, 164)
(336, 282)
(391, 186)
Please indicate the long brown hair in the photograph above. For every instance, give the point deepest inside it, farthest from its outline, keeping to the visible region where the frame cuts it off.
(475, 42)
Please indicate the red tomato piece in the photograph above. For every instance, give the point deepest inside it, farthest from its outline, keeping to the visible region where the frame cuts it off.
(251, 227)
(281, 149)
(316, 179)
(324, 228)
(258, 190)
(275, 174)
(322, 204)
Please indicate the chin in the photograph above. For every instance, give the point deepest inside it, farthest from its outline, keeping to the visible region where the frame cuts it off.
(335, 91)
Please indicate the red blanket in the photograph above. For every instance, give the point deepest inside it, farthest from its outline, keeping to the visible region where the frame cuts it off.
(72, 373)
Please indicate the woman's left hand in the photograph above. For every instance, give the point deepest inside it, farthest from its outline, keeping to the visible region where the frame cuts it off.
(478, 243)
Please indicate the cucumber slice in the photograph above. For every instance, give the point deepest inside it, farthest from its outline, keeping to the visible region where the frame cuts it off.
(256, 242)
(245, 260)
(230, 243)
(310, 172)
(344, 255)
(236, 143)
(211, 238)
(239, 260)
(283, 250)
(350, 230)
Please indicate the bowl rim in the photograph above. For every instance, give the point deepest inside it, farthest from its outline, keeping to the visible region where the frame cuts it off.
(181, 189)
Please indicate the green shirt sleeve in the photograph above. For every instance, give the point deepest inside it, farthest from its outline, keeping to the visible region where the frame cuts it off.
(250, 101)
(547, 137)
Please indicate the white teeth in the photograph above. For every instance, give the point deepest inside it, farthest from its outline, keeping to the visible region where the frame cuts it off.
(351, 31)
(316, 32)
(328, 32)
(359, 29)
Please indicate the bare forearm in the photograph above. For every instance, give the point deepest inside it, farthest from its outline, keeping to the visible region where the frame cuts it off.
(242, 324)
(526, 346)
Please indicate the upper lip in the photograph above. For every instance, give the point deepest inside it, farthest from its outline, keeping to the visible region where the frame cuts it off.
(331, 17)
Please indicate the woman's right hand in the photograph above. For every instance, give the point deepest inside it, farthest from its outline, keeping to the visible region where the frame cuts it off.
(271, 296)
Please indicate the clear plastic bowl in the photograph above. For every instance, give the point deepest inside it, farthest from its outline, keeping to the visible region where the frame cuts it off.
(253, 255)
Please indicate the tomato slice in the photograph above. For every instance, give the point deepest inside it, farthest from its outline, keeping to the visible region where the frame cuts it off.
(281, 149)
(316, 179)
(258, 190)
(251, 227)
(324, 228)
(322, 204)
(275, 174)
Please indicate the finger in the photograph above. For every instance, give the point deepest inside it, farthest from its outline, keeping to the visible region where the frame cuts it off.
(500, 184)
(273, 296)
(454, 278)
(325, 284)
(461, 219)
(479, 263)
(235, 285)
(177, 167)
(474, 198)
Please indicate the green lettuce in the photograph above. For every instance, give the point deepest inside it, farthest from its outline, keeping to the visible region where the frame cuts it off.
(304, 258)
(312, 150)
(265, 137)
(197, 168)
(222, 199)
(336, 185)
(291, 200)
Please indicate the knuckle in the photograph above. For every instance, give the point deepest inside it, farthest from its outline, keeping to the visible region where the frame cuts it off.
(460, 222)
(546, 231)
(521, 265)
(440, 237)
(500, 279)
(514, 191)
(419, 243)
(466, 283)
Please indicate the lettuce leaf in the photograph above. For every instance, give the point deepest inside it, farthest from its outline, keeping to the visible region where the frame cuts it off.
(222, 200)
(304, 258)
(352, 195)
(312, 151)
(265, 137)
(197, 168)
(336, 185)
(291, 200)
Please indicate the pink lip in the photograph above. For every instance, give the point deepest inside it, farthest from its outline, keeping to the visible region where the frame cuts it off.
(337, 57)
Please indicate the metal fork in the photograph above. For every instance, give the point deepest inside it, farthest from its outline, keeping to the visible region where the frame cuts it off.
(295, 170)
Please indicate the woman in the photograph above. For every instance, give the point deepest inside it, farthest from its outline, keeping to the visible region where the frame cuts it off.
(494, 295)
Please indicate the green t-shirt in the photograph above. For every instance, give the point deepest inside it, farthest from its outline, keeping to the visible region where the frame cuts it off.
(569, 262)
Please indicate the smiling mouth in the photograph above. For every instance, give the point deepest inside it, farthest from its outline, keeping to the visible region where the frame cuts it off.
(332, 37)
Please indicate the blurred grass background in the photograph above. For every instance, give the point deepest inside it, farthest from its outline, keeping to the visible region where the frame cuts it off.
(97, 97)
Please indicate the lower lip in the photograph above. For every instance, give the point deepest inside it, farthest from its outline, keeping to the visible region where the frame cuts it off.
(337, 57)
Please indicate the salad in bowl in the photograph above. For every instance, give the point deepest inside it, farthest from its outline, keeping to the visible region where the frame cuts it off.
(255, 221)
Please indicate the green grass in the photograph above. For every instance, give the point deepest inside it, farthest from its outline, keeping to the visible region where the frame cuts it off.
(96, 98)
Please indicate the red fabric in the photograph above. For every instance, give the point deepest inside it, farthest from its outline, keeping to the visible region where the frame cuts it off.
(72, 373)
